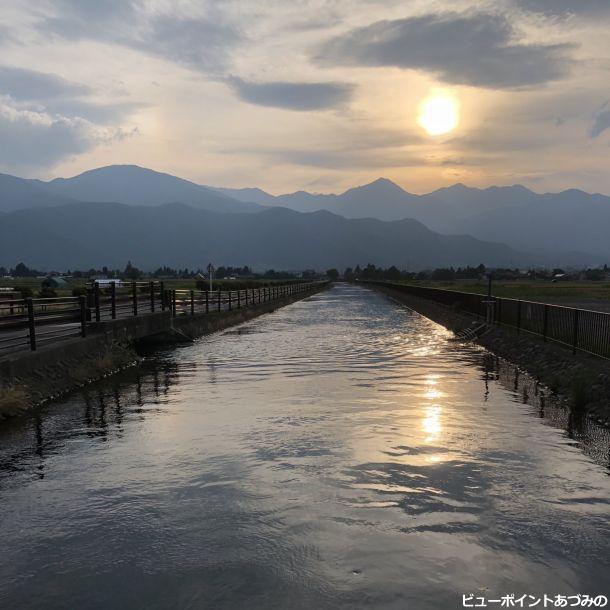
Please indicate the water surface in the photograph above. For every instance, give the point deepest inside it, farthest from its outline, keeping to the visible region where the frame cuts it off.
(340, 452)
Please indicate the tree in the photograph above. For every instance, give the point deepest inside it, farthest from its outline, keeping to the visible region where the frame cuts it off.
(21, 270)
(332, 274)
(594, 275)
(393, 273)
(131, 272)
(348, 274)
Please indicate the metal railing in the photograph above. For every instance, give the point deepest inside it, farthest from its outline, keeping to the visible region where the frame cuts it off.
(580, 329)
(32, 322)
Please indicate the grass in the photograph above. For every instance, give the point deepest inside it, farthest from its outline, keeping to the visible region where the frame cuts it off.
(12, 401)
(531, 289)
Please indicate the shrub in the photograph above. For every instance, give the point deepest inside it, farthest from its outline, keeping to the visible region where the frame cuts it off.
(47, 293)
(79, 291)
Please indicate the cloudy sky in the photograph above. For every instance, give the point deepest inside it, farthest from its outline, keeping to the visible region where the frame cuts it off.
(317, 94)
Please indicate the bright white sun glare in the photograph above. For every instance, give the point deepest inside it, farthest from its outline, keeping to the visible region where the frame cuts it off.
(439, 114)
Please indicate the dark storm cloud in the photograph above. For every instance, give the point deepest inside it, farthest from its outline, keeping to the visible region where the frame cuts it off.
(477, 49)
(292, 96)
(200, 43)
(23, 84)
(601, 121)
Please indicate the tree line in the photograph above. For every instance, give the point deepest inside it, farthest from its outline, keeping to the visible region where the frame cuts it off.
(448, 274)
(131, 272)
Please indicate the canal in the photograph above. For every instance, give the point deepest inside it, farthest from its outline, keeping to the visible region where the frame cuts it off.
(341, 452)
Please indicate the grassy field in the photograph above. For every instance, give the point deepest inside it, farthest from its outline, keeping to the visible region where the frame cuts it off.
(534, 290)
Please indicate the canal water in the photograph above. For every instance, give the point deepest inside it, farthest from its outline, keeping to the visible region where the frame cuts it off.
(341, 452)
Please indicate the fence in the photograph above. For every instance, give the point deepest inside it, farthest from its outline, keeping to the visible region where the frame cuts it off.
(43, 320)
(580, 329)
(31, 323)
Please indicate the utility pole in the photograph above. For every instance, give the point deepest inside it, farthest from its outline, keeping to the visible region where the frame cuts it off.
(489, 302)
(210, 269)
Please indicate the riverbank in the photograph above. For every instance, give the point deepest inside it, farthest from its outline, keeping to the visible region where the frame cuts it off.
(30, 379)
(582, 380)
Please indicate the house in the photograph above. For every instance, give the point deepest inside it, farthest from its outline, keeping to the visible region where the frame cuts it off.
(107, 282)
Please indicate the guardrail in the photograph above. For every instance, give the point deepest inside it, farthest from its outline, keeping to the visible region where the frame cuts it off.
(33, 322)
(580, 329)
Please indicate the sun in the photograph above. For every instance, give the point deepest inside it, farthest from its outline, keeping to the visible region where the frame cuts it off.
(439, 113)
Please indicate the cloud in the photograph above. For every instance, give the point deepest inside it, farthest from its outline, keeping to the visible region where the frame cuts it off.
(198, 42)
(52, 94)
(601, 121)
(34, 139)
(292, 96)
(6, 35)
(22, 84)
(479, 49)
(344, 160)
(45, 118)
(566, 7)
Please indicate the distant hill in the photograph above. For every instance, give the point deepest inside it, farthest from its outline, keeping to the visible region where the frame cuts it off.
(571, 220)
(97, 234)
(134, 185)
(19, 193)
(128, 184)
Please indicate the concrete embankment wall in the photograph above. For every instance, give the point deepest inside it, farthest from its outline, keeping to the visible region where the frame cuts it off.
(28, 379)
(582, 379)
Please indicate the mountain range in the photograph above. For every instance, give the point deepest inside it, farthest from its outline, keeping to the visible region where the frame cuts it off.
(570, 221)
(115, 213)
